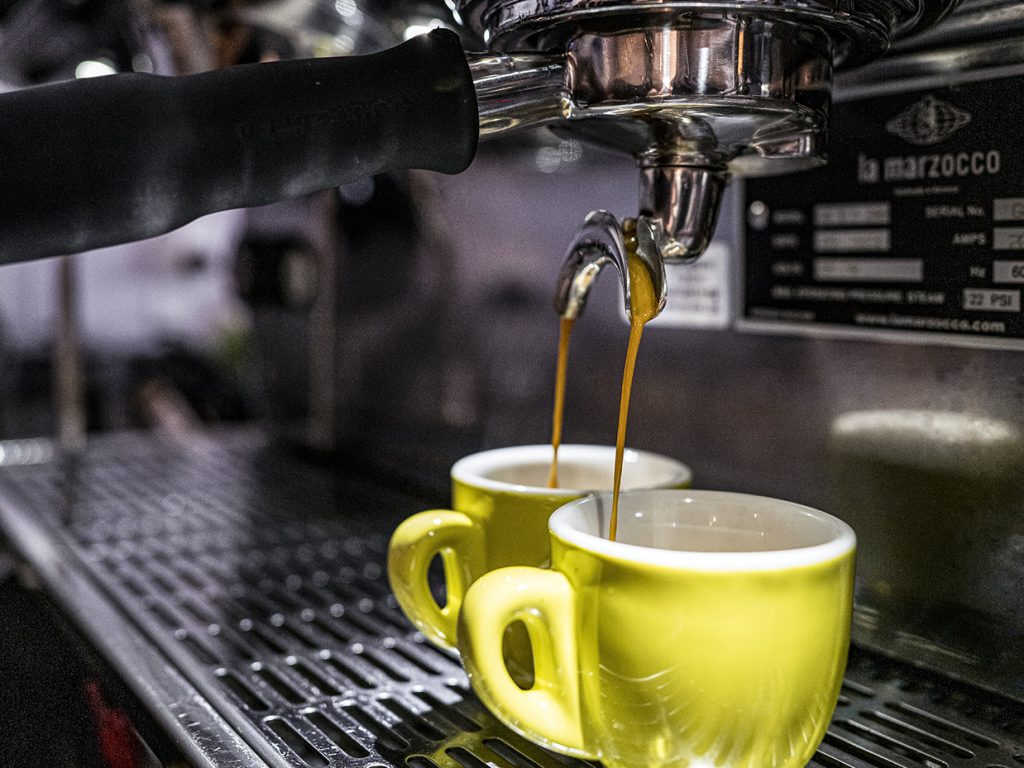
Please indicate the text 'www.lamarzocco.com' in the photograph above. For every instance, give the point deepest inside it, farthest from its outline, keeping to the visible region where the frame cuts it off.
(952, 325)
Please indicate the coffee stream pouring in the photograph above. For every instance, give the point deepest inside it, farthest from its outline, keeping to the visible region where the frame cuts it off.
(695, 91)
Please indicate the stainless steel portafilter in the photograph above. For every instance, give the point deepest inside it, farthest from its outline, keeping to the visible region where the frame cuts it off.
(697, 92)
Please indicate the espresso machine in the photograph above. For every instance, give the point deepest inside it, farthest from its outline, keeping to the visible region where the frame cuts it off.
(827, 201)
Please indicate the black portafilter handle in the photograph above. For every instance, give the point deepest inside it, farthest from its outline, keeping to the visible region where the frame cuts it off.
(91, 163)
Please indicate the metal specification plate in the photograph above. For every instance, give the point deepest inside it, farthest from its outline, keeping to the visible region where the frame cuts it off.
(914, 230)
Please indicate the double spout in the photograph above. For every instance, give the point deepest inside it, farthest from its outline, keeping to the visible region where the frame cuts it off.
(678, 208)
(600, 243)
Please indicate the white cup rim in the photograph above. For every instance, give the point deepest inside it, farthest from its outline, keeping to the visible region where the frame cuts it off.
(474, 469)
(843, 539)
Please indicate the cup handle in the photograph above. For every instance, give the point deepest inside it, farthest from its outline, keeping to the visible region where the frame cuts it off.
(545, 601)
(414, 544)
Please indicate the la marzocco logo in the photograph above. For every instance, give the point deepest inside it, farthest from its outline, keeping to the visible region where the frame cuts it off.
(928, 122)
(924, 123)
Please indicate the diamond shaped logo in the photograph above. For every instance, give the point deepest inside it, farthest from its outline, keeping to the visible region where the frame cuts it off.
(928, 121)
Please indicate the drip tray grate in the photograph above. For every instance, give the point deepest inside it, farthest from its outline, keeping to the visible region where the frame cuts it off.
(262, 579)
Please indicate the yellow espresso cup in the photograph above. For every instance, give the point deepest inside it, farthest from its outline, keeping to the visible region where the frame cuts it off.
(501, 505)
(713, 631)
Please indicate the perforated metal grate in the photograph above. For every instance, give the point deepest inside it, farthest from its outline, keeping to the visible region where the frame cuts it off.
(262, 579)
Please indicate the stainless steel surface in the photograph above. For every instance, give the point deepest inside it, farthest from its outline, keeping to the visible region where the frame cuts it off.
(517, 90)
(197, 729)
(862, 30)
(721, 96)
(981, 40)
(973, 20)
(709, 93)
(684, 201)
(241, 594)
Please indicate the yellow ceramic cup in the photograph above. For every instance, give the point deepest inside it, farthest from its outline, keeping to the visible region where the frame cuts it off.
(712, 632)
(501, 507)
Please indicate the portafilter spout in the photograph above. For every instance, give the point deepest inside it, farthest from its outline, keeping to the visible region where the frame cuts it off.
(600, 243)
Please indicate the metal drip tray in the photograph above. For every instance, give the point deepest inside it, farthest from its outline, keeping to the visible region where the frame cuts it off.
(261, 580)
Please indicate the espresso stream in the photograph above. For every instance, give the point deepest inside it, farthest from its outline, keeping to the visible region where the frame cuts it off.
(643, 306)
(565, 332)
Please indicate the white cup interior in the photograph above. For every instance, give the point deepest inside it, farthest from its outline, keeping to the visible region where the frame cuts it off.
(581, 469)
(702, 528)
